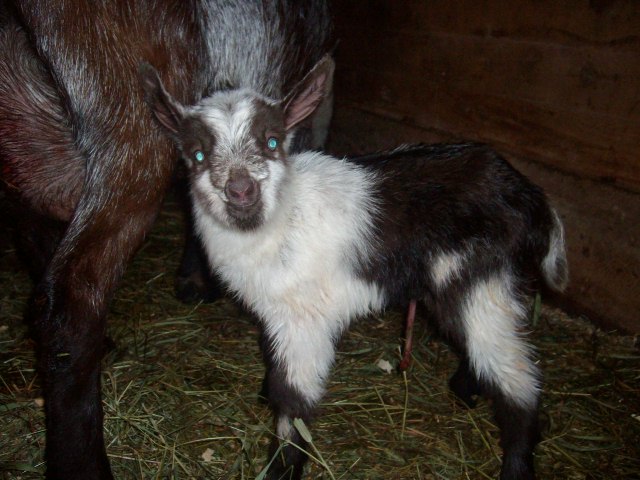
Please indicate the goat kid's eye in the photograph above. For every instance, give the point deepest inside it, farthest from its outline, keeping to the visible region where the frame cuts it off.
(199, 156)
(272, 143)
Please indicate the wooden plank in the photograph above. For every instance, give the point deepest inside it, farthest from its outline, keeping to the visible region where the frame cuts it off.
(555, 81)
(590, 145)
(572, 79)
(613, 22)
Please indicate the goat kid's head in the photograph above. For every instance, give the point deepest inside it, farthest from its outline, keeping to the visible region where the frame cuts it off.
(235, 143)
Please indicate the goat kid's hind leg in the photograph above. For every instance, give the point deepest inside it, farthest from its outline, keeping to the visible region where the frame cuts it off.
(298, 362)
(194, 279)
(493, 314)
(465, 384)
(36, 238)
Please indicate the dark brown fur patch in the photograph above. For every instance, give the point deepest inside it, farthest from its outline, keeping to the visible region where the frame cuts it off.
(268, 121)
(193, 136)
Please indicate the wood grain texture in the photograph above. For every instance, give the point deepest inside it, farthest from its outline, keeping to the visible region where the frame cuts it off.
(555, 81)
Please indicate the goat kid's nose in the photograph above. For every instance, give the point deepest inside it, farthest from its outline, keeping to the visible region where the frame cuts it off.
(242, 191)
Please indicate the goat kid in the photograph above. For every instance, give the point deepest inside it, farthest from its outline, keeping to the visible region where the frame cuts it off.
(310, 242)
(86, 168)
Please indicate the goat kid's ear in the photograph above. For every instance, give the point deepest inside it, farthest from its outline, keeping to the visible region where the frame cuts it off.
(305, 97)
(166, 110)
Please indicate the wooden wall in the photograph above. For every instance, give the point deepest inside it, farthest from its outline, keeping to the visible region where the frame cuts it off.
(554, 85)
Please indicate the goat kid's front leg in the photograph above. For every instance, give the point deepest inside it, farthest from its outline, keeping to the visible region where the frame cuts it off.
(298, 362)
(287, 452)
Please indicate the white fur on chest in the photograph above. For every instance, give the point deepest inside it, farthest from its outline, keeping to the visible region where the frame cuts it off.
(296, 272)
(304, 253)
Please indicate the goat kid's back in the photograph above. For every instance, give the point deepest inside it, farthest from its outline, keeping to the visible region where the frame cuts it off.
(456, 211)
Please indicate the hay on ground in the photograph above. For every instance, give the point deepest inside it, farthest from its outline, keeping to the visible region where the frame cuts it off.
(181, 392)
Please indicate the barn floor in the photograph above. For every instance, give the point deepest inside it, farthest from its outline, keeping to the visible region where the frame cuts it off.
(181, 391)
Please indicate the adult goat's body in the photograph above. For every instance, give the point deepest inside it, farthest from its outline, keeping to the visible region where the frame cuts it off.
(86, 168)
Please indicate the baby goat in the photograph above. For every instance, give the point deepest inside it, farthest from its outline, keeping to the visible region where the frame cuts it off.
(310, 242)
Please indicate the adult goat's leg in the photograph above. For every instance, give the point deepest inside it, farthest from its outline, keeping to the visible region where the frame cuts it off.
(68, 318)
(124, 168)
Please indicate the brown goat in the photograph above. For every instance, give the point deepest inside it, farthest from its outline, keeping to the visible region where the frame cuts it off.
(87, 169)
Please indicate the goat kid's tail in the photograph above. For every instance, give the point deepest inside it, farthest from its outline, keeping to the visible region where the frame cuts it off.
(555, 268)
